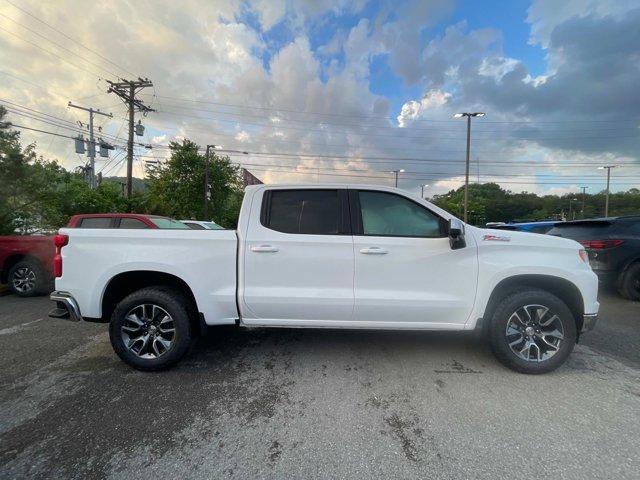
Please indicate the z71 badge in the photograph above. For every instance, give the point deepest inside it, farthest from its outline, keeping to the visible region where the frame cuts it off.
(496, 238)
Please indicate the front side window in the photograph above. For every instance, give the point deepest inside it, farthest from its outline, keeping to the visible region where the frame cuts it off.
(132, 223)
(311, 212)
(387, 214)
(168, 223)
(194, 226)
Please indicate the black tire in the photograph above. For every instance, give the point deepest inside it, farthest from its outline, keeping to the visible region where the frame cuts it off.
(629, 286)
(504, 315)
(27, 278)
(175, 305)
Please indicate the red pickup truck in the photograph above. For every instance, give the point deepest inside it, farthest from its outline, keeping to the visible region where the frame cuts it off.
(26, 262)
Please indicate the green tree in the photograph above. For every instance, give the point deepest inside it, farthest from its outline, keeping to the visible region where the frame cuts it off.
(176, 187)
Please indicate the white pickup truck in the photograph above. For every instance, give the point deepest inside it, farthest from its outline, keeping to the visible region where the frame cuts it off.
(329, 256)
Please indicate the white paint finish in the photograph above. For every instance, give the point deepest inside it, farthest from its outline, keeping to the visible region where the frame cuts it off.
(309, 280)
(530, 254)
(419, 280)
(295, 277)
(204, 259)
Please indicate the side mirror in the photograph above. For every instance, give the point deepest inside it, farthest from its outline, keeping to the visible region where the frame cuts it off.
(456, 234)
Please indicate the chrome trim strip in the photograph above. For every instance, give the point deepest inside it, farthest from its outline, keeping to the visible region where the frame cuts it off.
(70, 304)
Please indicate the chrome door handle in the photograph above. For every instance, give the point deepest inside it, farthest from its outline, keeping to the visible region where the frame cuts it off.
(374, 251)
(264, 248)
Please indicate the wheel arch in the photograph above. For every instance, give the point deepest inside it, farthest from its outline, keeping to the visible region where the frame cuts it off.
(125, 283)
(564, 289)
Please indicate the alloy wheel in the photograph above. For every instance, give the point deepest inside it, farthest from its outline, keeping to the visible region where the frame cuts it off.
(148, 331)
(24, 280)
(534, 333)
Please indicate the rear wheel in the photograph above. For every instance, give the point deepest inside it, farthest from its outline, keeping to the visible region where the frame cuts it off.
(629, 286)
(27, 278)
(150, 329)
(532, 331)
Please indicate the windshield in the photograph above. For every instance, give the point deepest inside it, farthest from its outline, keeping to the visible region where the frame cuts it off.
(212, 226)
(168, 223)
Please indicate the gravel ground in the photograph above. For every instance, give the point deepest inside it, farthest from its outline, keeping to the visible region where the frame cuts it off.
(314, 404)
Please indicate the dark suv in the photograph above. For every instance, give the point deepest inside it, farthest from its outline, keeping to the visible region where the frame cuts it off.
(613, 245)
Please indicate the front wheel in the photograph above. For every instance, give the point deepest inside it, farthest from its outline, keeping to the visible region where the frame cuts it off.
(150, 329)
(532, 331)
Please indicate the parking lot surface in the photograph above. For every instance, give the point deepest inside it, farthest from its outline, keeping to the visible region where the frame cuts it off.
(314, 404)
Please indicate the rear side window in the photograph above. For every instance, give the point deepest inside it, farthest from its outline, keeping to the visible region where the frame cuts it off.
(311, 212)
(132, 223)
(98, 222)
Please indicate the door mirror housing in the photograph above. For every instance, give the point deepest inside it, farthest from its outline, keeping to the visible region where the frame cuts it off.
(456, 234)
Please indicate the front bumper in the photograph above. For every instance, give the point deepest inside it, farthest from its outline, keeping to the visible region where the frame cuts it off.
(589, 322)
(66, 307)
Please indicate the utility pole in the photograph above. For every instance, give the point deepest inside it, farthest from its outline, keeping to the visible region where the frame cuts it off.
(606, 202)
(422, 186)
(584, 195)
(466, 175)
(127, 90)
(397, 172)
(92, 142)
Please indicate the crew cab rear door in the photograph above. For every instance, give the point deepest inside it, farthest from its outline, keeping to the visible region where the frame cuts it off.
(406, 273)
(298, 258)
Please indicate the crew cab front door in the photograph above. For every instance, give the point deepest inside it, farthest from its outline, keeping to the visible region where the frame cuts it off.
(406, 273)
(298, 258)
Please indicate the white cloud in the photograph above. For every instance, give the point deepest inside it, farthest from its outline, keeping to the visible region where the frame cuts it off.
(432, 100)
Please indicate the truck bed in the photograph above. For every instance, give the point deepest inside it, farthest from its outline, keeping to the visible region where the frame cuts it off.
(204, 259)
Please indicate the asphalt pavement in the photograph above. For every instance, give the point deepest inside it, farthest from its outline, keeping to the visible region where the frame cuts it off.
(314, 404)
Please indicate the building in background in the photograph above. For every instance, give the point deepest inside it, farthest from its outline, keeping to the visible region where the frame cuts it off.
(249, 178)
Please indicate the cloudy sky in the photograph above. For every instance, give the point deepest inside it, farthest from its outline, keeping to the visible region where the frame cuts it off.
(342, 91)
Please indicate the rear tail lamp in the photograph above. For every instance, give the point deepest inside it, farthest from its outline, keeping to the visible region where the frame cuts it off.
(583, 256)
(60, 241)
(601, 244)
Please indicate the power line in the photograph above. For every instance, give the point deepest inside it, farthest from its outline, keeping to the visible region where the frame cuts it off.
(80, 44)
(289, 110)
(386, 127)
(51, 53)
(58, 45)
(396, 135)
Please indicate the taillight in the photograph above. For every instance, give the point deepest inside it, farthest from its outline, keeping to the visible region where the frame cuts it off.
(60, 241)
(601, 244)
(583, 256)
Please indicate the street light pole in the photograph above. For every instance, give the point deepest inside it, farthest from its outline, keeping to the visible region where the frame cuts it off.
(425, 185)
(584, 195)
(606, 201)
(466, 175)
(571, 200)
(207, 192)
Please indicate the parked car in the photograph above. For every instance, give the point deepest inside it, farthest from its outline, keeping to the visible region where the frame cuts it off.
(531, 227)
(331, 256)
(123, 220)
(613, 245)
(200, 225)
(26, 264)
